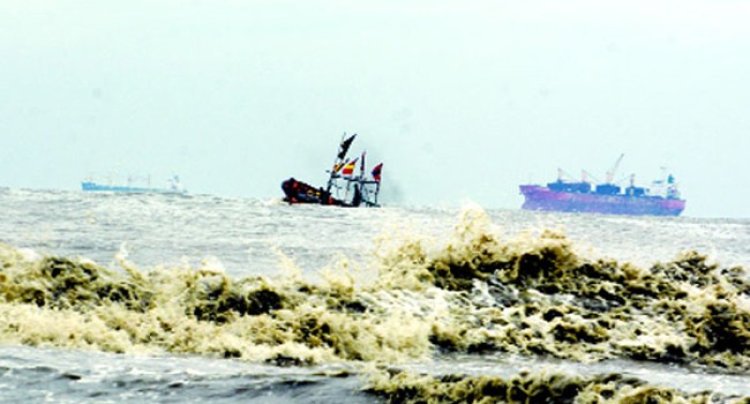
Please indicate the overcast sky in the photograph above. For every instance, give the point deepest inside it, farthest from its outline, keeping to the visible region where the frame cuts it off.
(460, 99)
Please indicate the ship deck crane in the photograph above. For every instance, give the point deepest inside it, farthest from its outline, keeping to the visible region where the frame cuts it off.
(562, 175)
(586, 176)
(611, 172)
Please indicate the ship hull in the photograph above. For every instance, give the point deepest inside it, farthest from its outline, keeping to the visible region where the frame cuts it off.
(94, 187)
(544, 199)
(297, 192)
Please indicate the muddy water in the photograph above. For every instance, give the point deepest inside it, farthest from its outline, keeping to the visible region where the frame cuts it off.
(111, 297)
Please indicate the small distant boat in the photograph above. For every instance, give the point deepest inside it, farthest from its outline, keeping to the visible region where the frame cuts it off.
(174, 187)
(344, 188)
(662, 199)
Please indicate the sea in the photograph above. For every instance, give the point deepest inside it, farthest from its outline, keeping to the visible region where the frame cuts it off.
(199, 298)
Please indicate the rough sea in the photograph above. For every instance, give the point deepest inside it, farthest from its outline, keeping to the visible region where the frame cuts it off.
(158, 298)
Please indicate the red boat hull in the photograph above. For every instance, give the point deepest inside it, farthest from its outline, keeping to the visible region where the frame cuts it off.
(300, 192)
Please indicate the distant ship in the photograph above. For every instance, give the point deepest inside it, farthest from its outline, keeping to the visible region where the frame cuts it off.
(662, 199)
(174, 187)
(345, 187)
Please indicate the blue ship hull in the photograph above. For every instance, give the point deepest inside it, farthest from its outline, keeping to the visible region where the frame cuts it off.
(94, 187)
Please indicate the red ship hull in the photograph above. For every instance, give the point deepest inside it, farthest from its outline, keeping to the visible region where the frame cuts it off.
(301, 192)
(544, 199)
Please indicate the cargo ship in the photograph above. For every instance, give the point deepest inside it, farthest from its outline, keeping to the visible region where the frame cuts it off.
(661, 199)
(174, 187)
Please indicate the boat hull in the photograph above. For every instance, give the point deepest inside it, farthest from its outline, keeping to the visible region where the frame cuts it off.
(301, 192)
(543, 199)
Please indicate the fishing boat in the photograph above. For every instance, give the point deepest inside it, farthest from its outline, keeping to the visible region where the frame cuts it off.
(131, 187)
(345, 187)
(661, 199)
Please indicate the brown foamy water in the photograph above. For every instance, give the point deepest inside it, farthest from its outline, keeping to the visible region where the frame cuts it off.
(369, 302)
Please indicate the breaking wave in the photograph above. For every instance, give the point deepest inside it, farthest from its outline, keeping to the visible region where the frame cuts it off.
(473, 293)
(402, 387)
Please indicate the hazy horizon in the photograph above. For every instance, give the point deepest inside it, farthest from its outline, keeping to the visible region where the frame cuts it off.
(459, 100)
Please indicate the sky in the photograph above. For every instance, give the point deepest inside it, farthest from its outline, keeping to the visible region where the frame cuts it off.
(461, 100)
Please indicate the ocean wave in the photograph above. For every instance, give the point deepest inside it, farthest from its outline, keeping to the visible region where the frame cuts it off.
(473, 293)
(541, 387)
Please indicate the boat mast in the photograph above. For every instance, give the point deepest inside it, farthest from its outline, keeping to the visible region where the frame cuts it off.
(343, 148)
(333, 167)
(361, 179)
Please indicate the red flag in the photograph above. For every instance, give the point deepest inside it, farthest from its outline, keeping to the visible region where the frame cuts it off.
(349, 167)
(376, 171)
